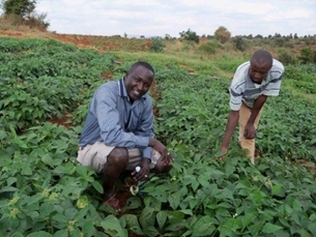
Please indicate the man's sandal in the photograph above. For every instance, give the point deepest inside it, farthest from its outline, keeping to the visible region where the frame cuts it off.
(113, 202)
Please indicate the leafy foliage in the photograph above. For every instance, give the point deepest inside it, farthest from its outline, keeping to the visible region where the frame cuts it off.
(22, 12)
(21, 8)
(157, 44)
(222, 34)
(307, 55)
(240, 43)
(189, 35)
(44, 192)
(302, 77)
(208, 48)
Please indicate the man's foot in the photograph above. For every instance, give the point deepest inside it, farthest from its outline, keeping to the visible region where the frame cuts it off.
(112, 201)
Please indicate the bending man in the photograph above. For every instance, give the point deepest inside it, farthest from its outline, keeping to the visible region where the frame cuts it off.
(252, 83)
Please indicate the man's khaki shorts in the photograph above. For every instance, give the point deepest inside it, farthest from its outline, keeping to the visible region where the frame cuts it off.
(96, 155)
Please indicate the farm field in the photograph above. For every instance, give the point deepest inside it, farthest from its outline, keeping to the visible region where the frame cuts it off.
(46, 86)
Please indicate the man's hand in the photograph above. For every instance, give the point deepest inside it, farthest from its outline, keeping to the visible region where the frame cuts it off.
(166, 157)
(224, 150)
(143, 174)
(250, 131)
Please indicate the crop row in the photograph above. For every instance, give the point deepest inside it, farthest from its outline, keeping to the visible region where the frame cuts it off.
(44, 192)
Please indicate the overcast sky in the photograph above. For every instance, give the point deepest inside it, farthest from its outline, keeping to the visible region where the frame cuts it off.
(161, 17)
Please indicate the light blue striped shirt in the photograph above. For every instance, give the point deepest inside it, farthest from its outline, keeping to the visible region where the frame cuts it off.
(113, 120)
(242, 89)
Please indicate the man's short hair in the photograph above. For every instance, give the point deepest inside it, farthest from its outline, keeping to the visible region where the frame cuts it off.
(262, 57)
(143, 64)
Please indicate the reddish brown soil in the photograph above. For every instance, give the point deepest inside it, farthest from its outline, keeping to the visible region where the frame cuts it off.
(64, 121)
(308, 164)
(107, 76)
(10, 33)
(155, 95)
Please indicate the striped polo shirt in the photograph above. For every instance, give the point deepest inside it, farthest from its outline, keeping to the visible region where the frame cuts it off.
(243, 90)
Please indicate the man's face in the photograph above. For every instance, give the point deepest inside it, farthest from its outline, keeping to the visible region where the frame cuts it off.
(258, 72)
(138, 82)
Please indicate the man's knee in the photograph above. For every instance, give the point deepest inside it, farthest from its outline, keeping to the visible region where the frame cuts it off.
(118, 157)
(162, 168)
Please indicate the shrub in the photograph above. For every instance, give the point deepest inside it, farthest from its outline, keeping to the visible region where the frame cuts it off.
(208, 48)
(306, 55)
(279, 42)
(240, 43)
(157, 44)
(287, 58)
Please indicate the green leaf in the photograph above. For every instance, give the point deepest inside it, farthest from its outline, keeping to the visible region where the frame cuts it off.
(193, 202)
(61, 233)
(311, 228)
(304, 233)
(161, 218)
(133, 224)
(204, 180)
(269, 228)
(40, 234)
(26, 170)
(34, 199)
(174, 200)
(81, 170)
(151, 231)
(11, 180)
(88, 228)
(147, 217)
(97, 186)
(113, 227)
(60, 218)
(175, 216)
(216, 174)
(133, 203)
(46, 159)
(276, 190)
(159, 195)
(81, 214)
(75, 232)
(3, 134)
(247, 219)
(8, 189)
(219, 154)
(187, 212)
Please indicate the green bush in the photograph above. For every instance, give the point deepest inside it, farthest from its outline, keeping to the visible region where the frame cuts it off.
(208, 48)
(287, 59)
(307, 55)
(240, 43)
(157, 44)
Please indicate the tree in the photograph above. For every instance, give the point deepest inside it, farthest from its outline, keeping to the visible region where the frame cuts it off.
(222, 34)
(22, 8)
(189, 35)
(168, 37)
(259, 36)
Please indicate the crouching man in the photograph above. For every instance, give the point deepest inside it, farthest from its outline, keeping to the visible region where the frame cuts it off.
(118, 133)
